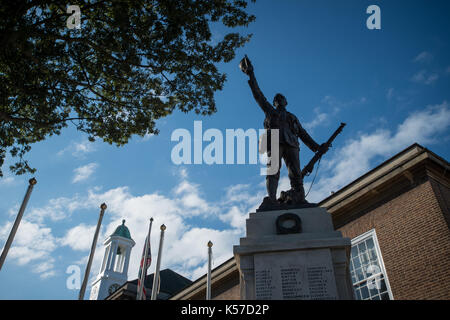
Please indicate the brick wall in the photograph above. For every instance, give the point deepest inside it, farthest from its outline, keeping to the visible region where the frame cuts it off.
(414, 240)
(231, 294)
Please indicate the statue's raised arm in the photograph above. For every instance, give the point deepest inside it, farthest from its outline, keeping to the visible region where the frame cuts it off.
(246, 66)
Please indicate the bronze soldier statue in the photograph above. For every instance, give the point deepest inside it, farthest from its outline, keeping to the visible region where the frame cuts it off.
(290, 129)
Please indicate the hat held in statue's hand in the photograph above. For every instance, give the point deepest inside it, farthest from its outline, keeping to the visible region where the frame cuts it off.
(245, 65)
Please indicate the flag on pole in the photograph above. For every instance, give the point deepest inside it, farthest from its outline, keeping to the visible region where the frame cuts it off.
(146, 260)
(144, 265)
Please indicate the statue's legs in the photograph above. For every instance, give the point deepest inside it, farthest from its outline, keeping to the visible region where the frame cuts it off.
(292, 159)
(272, 180)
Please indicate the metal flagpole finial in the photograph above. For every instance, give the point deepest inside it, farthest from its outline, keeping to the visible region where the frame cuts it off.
(163, 227)
(151, 219)
(32, 181)
(210, 244)
(103, 206)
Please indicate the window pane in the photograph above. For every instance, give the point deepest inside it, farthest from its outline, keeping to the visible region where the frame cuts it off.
(359, 274)
(364, 292)
(369, 243)
(362, 247)
(372, 288)
(385, 296)
(373, 255)
(358, 294)
(365, 258)
(377, 297)
(354, 251)
(356, 263)
(364, 271)
(382, 285)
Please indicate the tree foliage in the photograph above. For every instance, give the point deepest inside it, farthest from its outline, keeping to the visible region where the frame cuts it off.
(129, 64)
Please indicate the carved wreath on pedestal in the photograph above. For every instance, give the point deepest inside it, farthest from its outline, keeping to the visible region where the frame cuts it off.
(284, 219)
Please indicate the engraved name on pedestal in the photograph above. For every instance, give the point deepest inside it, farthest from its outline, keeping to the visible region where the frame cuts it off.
(296, 275)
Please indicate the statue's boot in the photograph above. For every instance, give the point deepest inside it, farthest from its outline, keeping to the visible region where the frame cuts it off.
(293, 196)
(270, 202)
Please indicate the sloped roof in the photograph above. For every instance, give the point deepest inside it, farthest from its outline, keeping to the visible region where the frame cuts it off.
(171, 282)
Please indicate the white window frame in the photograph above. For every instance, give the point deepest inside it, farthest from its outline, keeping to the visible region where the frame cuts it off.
(362, 237)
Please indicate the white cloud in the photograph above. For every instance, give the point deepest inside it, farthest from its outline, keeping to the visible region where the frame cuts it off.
(338, 104)
(48, 274)
(424, 56)
(23, 254)
(79, 237)
(432, 78)
(56, 209)
(425, 77)
(332, 107)
(45, 269)
(78, 149)
(147, 137)
(319, 118)
(194, 263)
(6, 180)
(238, 201)
(235, 217)
(238, 193)
(84, 172)
(183, 173)
(32, 243)
(189, 196)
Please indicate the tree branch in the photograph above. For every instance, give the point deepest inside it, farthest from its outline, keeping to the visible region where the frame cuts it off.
(8, 118)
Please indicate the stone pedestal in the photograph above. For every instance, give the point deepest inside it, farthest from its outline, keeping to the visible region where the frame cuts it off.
(293, 255)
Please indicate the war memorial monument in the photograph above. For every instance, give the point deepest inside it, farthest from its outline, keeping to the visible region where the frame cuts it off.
(291, 250)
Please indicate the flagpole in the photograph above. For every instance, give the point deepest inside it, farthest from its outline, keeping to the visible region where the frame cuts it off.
(208, 279)
(144, 266)
(156, 279)
(91, 255)
(12, 234)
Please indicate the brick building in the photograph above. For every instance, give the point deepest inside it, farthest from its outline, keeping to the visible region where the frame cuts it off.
(398, 217)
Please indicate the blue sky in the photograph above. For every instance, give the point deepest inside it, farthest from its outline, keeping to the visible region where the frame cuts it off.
(391, 87)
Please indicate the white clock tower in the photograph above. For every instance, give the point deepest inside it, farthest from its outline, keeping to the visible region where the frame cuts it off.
(114, 270)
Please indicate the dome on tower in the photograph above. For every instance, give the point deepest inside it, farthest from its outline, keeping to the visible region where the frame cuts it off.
(122, 231)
